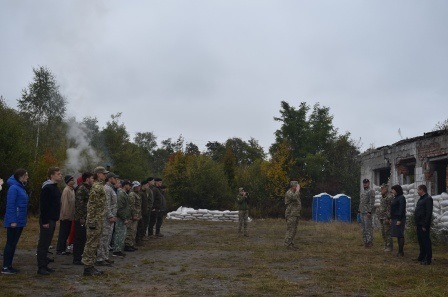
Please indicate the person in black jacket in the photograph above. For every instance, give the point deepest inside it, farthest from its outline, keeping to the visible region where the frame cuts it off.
(398, 217)
(158, 209)
(423, 215)
(50, 207)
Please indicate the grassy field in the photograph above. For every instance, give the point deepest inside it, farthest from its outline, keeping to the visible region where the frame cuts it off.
(210, 259)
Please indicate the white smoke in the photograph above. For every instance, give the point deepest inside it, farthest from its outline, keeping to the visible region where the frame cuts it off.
(80, 155)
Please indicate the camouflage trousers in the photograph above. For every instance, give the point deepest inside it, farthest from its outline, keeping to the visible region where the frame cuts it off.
(243, 218)
(291, 229)
(367, 228)
(92, 243)
(106, 236)
(385, 232)
(119, 235)
(131, 233)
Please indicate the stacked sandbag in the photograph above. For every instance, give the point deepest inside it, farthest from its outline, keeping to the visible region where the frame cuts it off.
(186, 213)
(375, 220)
(377, 190)
(411, 196)
(440, 211)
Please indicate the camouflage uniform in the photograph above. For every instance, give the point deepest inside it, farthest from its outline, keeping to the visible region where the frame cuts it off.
(123, 214)
(81, 200)
(383, 214)
(292, 215)
(135, 202)
(366, 208)
(96, 211)
(144, 222)
(150, 195)
(243, 213)
(108, 227)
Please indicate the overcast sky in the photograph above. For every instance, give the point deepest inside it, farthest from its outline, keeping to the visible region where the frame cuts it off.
(212, 70)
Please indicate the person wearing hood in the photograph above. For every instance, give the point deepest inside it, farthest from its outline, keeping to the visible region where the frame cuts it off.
(67, 214)
(15, 217)
(50, 207)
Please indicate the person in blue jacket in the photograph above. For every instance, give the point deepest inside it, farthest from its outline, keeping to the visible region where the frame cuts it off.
(15, 216)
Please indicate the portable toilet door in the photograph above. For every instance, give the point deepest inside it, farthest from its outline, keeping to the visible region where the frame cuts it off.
(322, 208)
(342, 208)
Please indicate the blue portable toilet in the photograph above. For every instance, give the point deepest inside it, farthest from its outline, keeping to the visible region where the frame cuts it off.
(322, 208)
(342, 208)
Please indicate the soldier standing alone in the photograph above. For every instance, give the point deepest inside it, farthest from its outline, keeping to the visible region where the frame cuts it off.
(292, 213)
(96, 212)
(243, 210)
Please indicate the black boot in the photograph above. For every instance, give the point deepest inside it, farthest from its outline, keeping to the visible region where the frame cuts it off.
(91, 271)
(400, 247)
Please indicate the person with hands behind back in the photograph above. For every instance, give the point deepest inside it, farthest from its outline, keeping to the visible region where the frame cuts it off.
(15, 216)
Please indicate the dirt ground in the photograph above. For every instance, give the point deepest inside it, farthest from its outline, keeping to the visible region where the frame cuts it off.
(193, 259)
(211, 259)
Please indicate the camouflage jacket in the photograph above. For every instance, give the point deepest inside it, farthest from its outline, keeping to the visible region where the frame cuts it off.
(81, 200)
(242, 202)
(293, 204)
(96, 207)
(136, 205)
(123, 205)
(383, 211)
(367, 201)
(111, 201)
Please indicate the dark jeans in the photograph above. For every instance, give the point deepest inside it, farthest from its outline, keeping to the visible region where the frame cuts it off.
(12, 238)
(424, 241)
(156, 218)
(80, 241)
(142, 227)
(64, 231)
(45, 238)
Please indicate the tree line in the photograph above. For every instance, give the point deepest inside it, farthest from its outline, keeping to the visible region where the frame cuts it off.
(307, 148)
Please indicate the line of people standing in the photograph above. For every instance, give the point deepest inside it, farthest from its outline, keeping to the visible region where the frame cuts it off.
(106, 214)
(392, 216)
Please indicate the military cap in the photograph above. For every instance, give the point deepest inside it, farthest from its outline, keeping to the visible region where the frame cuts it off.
(100, 169)
(157, 179)
(144, 182)
(293, 183)
(150, 179)
(240, 189)
(111, 174)
(366, 180)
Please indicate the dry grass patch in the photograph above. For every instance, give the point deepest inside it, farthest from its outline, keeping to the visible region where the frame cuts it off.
(211, 259)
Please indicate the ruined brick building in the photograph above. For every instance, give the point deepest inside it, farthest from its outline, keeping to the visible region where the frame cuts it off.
(422, 159)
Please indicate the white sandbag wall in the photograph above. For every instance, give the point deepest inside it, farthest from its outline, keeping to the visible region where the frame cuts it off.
(409, 192)
(440, 211)
(440, 208)
(186, 213)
